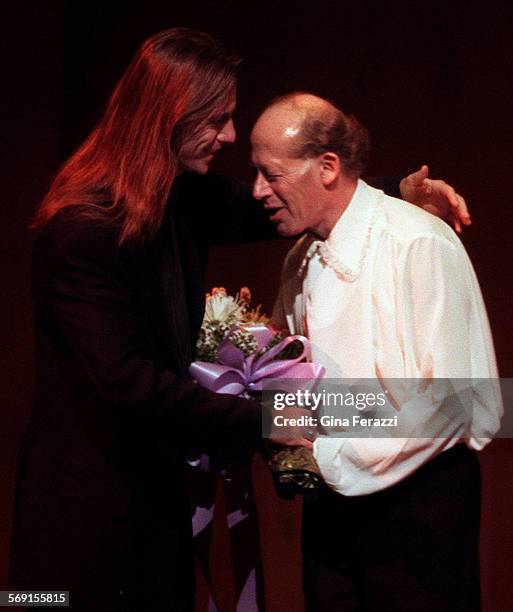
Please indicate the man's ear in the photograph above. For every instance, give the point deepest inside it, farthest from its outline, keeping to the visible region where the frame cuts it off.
(330, 168)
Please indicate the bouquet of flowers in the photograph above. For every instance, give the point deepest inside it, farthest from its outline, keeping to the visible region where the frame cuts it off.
(236, 350)
(225, 315)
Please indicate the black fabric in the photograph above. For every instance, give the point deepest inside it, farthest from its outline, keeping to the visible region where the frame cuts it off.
(101, 475)
(413, 546)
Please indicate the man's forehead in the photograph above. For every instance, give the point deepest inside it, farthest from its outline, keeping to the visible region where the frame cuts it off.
(268, 150)
(279, 121)
(229, 105)
(273, 137)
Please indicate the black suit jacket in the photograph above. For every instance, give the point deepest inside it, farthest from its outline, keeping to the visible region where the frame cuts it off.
(115, 409)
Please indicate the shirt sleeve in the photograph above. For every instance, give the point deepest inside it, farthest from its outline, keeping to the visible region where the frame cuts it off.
(452, 395)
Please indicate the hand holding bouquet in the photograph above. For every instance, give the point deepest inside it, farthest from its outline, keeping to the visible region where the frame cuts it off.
(237, 350)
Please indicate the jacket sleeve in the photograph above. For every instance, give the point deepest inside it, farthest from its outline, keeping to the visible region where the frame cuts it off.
(223, 211)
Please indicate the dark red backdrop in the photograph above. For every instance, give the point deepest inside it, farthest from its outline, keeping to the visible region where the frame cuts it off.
(433, 84)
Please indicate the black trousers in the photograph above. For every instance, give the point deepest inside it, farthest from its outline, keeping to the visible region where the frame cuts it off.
(410, 548)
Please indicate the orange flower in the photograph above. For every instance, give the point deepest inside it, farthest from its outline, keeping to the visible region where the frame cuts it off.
(245, 295)
(220, 291)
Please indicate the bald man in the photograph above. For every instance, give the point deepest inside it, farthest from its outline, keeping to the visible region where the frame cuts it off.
(384, 291)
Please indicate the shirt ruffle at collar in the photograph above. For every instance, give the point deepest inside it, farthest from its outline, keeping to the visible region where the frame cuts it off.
(346, 247)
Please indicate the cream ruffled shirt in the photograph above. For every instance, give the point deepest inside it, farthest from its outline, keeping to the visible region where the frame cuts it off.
(391, 293)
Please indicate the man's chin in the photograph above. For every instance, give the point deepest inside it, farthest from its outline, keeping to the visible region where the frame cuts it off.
(198, 167)
(202, 170)
(286, 230)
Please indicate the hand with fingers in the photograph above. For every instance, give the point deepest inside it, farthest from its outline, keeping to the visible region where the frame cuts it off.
(293, 426)
(435, 196)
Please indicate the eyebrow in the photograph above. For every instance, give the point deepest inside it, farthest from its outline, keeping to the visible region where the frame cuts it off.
(264, 169)
(223, 117)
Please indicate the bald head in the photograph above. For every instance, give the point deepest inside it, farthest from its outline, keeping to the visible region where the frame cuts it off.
(305, 126)
(285, 117)
(308, 156)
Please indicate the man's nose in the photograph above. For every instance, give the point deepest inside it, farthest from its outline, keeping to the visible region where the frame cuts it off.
(227, 135)
(261, 187)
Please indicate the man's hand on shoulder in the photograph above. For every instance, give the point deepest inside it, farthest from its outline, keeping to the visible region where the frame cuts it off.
(435, 196)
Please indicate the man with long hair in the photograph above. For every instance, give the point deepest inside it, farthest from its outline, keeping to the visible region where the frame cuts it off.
(118, 269)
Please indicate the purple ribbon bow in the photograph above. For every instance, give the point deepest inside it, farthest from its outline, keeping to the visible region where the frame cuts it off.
(236, 374)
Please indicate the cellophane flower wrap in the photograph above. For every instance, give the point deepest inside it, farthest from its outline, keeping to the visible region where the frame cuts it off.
(237, 350)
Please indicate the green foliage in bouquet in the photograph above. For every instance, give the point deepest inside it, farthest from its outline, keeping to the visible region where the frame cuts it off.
(223, 313)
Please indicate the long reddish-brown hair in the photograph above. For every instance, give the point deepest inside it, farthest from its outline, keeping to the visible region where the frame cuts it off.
(174, 83)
